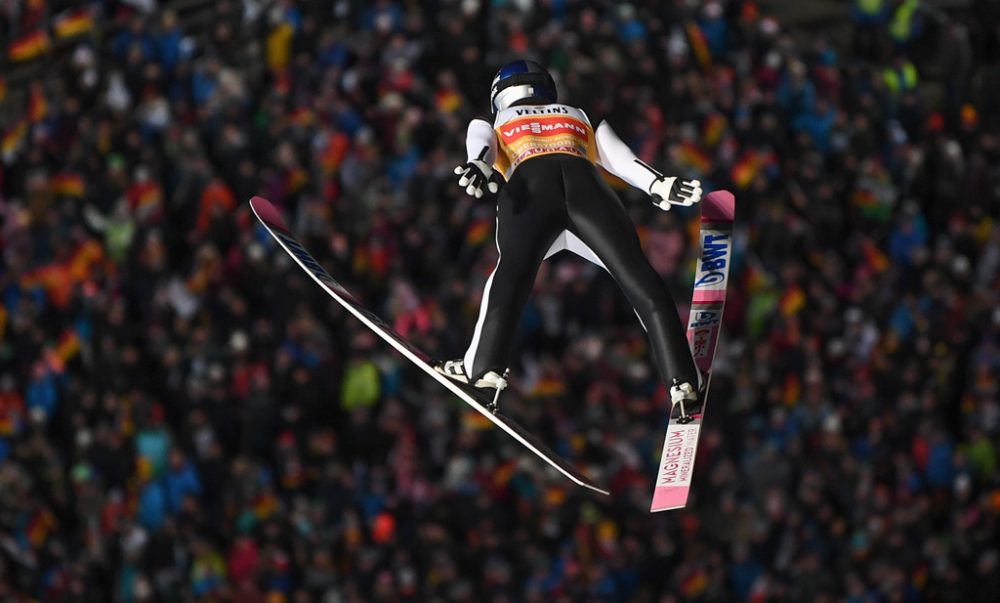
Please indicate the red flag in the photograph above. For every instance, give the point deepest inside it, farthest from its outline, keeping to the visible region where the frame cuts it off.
(55, 280)
(874, 256)
(334, 152)
(144, 198)
(699, 47)
(478, 232)
(11, 412)
(792, 390)
(746, 168)
(695, 583)
(73, 23)
(265, 505)
(793, 300)
(295, 179)
(475, 421)
(39, 527)
(713, 128)
(303, 116)
(14, 137)
(28, 46)
(68, 346)
(68, 184)
(448, 101)
(38, 107)
(693, 156)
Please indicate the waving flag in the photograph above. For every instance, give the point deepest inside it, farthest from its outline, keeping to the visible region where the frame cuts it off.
(41, 524)
(28, 46)
(68, 184)
(478, 232)
(699, 47)
(73, 23)
(302, 117)
(333, 152)
(447, 101)
(68, 345)
(38, 106)
(713, 128)
(694, 157)
(874, 257)
(792, 301)
(12, 140)
(745, 170)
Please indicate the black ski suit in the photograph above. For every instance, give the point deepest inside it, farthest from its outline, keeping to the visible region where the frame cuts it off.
(556, 199)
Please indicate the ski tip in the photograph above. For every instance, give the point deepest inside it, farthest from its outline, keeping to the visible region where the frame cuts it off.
(267, 213)
(719, 205)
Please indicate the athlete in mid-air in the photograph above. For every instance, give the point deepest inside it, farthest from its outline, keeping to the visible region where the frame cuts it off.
(554, 199)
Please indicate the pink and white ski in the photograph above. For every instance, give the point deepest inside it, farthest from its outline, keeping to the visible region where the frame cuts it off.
(680, 447)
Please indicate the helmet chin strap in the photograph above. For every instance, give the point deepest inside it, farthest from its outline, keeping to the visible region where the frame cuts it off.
(508, 96)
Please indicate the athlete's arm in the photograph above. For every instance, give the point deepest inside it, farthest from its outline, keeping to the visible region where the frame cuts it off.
(618, 159)
(481, 152)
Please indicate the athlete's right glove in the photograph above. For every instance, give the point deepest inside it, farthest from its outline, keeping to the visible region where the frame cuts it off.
(476, 175)
(667, 191)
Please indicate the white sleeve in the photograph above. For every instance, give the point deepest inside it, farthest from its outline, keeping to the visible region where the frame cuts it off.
(618, 159)
(478, 138)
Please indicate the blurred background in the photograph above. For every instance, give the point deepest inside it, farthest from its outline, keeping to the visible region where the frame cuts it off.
(184, 416)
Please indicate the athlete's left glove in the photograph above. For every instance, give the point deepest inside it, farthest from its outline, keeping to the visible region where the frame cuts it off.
(674, 191)
(476, 176)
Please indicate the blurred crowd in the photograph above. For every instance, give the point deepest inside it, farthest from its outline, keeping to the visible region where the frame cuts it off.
(184, 416)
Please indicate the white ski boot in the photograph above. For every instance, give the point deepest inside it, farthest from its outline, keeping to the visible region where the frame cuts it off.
(455, 370)
(689, 400)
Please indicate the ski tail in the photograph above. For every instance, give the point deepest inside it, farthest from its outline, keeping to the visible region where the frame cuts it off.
(708, 300)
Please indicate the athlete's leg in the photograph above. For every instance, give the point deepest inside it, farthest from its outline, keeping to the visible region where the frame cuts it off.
(530, 215)
(598, 218)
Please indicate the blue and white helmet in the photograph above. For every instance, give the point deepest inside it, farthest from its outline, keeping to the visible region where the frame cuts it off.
(521, 80)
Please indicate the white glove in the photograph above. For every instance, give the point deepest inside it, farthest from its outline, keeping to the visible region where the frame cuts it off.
(672, 191)
(475, 176)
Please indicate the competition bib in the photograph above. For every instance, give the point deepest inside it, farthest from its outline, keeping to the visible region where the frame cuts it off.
(531, 130)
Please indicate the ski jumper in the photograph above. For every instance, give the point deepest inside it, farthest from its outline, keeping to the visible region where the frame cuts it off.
(555, 199)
